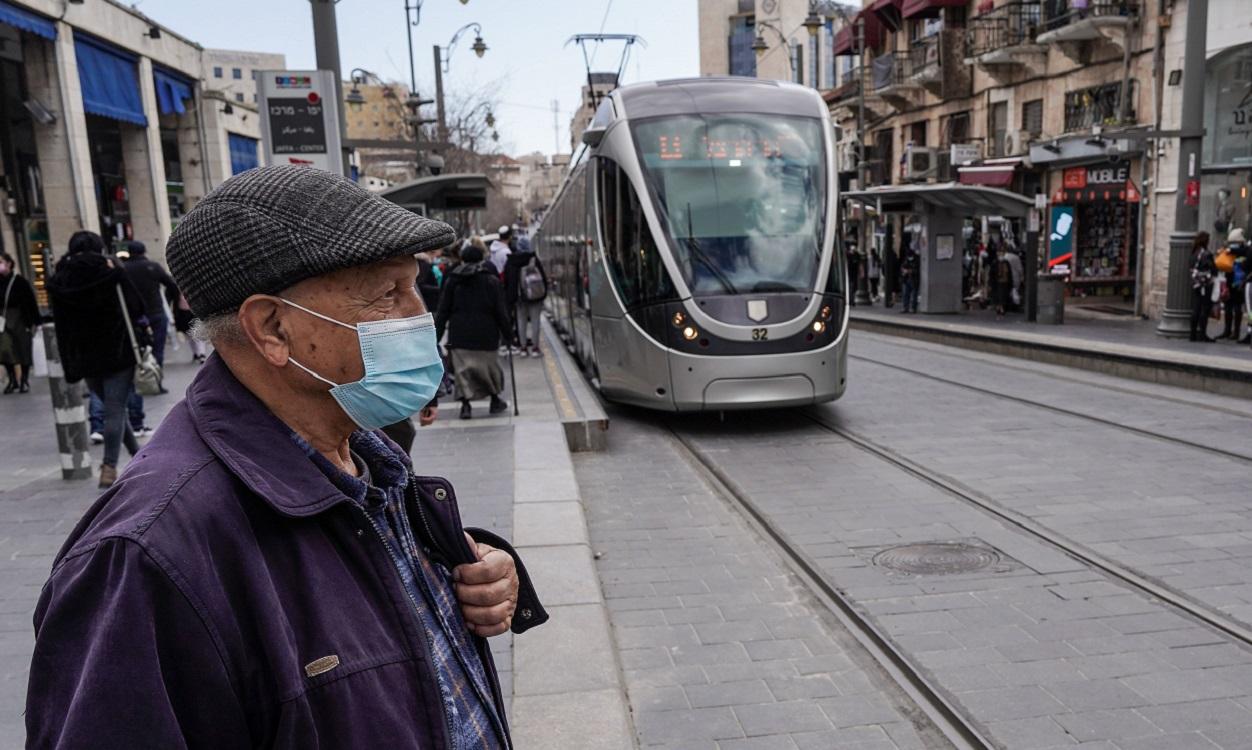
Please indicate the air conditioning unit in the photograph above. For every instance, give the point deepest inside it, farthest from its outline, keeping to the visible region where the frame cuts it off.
(920, 163)
(1015, 142)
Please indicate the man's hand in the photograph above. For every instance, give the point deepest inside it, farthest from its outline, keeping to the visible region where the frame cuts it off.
(427, 416)
(487, 590)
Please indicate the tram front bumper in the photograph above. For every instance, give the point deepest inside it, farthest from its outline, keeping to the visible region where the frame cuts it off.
(746, 393)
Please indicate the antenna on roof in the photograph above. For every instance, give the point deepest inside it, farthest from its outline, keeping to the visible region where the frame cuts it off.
(583, 39)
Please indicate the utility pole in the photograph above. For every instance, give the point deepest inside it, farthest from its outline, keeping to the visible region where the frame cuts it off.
(556, 126)
(862, 278)
(326, 46)
(1176, 319)
(443, 123)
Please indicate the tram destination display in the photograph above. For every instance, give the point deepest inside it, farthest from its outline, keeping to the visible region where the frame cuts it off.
(299, 118)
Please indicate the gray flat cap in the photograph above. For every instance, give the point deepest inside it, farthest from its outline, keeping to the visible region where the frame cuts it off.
(265, 229)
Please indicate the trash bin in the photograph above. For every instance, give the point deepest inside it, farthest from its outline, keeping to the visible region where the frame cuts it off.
(1051, 291)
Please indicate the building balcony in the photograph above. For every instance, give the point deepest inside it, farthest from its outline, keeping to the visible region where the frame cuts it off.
(1072, 22)
(889, 79)
(925, 66)
(1006, 37)
(1098, 106)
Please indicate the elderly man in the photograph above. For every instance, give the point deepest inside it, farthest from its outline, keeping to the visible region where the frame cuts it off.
(269, 572)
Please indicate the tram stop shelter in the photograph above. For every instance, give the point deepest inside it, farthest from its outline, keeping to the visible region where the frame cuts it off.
(940, 210)
(448, 197)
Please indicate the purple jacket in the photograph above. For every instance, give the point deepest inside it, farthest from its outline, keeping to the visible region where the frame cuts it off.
(225, 595)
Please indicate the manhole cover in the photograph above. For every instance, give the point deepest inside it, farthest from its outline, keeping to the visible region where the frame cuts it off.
(937, 558)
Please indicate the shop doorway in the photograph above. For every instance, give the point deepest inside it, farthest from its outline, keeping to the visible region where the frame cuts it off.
(25, 226)
(108, 170)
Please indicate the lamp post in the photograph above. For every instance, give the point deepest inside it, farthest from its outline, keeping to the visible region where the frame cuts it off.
(443, 60)
(761, 47)
(326, 47)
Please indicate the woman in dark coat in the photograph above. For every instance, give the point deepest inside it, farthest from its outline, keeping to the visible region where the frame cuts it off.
(471, 309)
(21, 315)
(1203, 271)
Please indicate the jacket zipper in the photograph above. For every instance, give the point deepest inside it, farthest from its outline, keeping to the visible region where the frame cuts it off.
(427, 646)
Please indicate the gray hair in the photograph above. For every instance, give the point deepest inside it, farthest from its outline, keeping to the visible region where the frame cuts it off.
(219, 328)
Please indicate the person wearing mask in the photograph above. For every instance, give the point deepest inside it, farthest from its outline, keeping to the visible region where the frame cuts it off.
(472, 311)
(911, 277)
(1236, 251)
(525, 287)
(1203, 271)
(272, 572)
(149, 278)
(500, 248)
(92, 337)
(20, 313)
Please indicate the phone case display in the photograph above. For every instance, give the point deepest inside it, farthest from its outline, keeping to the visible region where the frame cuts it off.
(1104, 234)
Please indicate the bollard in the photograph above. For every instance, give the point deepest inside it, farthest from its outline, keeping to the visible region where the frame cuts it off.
(70, 413)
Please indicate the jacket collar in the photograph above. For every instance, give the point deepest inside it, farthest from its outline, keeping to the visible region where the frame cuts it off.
(255, 445)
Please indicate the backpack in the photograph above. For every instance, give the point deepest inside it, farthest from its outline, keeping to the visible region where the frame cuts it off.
(533, 286)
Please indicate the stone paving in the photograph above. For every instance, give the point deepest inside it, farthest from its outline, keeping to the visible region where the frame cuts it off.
(720, 645)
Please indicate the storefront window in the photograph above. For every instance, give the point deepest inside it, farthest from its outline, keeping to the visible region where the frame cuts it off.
(1228, 108)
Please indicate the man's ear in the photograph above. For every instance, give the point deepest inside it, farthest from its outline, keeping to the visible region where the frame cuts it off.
(261, 318)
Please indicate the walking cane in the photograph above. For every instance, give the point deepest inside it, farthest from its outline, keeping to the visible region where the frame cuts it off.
(513, 379)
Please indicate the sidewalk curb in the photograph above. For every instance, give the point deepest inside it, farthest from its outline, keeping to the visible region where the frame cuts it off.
(567, 684)
(1198, 373)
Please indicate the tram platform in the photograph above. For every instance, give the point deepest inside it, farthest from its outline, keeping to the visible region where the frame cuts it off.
(1126, 348)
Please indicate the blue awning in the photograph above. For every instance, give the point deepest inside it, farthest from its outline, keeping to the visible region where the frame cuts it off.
(23, 20)
(110, 80)
(171, 90)
(242, 153)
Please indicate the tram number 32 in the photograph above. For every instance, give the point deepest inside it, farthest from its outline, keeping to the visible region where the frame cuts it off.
(760, 334)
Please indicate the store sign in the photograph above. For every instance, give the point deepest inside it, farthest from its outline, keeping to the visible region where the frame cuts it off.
(300, 118)
(1113, 175)
(1075, 178)
(1061, 237)
(965, 153)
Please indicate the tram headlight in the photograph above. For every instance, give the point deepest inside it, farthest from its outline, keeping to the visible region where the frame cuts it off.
(819, 326)
(679, 319)
(690, 333)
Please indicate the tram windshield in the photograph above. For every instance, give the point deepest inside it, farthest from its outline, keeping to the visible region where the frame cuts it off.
(742, 196)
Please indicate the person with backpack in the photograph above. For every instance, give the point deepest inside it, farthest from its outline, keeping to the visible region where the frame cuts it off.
(88, 291)
(472, 310)
(1230, 264)
(525, 287)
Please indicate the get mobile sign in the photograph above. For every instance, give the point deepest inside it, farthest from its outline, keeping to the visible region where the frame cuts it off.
(300, 118)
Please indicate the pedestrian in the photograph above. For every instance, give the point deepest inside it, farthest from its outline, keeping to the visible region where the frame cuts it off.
(183, 320)
(472, 311)
(500, 248)
(525, 287)
(428, 278)
(1202, 274)
(149, 278)
(874, 272)
(271, 573)
(1247, 296)
(911, 276)
(854, 270)
(1230, 263)
(92, 337)
(19, 315)
(1016, 276)
(1002, 281)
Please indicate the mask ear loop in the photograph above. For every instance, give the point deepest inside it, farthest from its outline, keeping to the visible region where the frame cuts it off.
(327, 318)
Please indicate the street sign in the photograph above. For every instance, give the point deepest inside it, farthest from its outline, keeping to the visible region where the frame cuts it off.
(965, 153)
(300, 118)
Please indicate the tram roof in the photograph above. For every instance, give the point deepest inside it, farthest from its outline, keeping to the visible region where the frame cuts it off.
(441, 192)
(721, 94)
(975, 200)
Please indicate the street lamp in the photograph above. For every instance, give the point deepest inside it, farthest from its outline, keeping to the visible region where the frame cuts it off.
(760, 46)
(443, 61)
(490, 119)
(813, 22)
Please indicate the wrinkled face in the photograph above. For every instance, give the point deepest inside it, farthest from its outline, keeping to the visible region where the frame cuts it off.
(380, 291)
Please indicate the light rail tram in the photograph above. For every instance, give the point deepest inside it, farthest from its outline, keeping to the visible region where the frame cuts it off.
(692, 251)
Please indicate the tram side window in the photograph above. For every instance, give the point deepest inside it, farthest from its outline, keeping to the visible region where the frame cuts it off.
(629, 247)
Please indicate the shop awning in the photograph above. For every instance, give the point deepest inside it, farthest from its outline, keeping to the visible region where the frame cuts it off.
(242, 153)
(172, 89)
(23, 20)
(992, 173)
(845, 40)
(109, 80)
(966, 200)
(888, 13)
(928, 8)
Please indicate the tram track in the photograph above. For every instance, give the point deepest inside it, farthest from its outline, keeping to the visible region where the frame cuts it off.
(1142, 432)
(943, 715)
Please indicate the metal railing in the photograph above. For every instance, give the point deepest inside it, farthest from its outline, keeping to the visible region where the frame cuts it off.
(1006, 26)
(924, 55)
(887, 70)
(1100, 105)
(1060, 13)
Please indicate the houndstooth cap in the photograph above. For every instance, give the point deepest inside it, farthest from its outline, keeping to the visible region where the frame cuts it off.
(265, 229)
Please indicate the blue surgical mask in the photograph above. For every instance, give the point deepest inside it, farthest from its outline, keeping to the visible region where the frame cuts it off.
(402, 370)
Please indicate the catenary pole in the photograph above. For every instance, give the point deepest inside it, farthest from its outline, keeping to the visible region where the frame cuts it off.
(1176, 319)
(326, 47)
